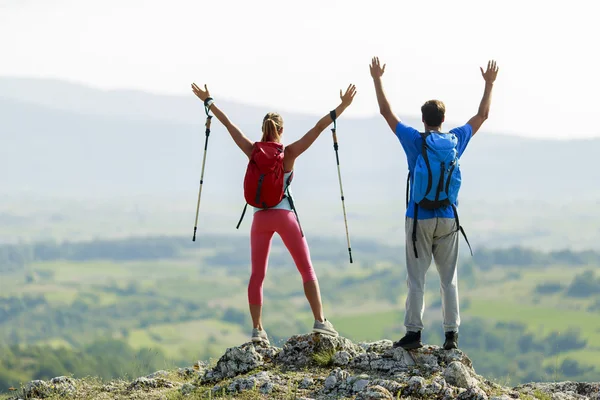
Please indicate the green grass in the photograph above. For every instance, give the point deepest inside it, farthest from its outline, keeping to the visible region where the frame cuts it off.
(584, 356)
(541, 320)
(189, 338)
(324, 358)
(355, 311)
(199, 288)
(55, 343)
(82, 272)
(61, 294)
(369, 326)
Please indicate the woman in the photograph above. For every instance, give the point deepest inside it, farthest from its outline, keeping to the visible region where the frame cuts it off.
(279, 218)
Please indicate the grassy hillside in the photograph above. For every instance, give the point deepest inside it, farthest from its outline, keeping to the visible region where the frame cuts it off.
(179, 301)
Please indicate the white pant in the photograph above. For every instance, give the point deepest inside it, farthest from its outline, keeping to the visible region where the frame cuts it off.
(437, 237)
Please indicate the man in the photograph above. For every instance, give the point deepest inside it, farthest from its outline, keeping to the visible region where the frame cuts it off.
(436, 231)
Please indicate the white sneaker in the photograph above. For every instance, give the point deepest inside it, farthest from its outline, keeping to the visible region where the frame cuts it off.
(325, 328)
(260, 336)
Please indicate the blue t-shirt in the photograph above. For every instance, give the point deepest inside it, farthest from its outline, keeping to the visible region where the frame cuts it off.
(411, 141)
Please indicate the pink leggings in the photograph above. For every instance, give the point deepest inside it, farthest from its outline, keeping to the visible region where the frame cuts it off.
(264, 224)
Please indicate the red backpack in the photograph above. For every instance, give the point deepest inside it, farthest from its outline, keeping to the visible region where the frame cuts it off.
(263, 183)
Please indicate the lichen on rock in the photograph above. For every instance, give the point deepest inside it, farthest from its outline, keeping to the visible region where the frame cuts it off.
(299, 350)
(239, 360)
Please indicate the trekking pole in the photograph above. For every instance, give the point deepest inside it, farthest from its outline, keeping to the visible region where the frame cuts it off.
(337, 159)
(207, 103)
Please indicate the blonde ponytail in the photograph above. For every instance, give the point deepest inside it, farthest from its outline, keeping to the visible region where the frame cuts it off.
(272, 125)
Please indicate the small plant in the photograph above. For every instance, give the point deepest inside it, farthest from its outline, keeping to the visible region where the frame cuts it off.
(292, 391)
(323, 358)
(538, 394)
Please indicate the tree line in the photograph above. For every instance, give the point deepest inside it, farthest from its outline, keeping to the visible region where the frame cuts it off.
(234, 252)
(104, 358)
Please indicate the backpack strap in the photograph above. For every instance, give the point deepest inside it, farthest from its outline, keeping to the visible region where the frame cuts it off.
(414, 230)
(416, 213)
(288, 195)
(242, 217)
(424, 136)
(407, 188)
(460, 228)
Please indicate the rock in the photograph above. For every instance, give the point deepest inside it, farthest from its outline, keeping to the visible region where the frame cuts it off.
(266, 388)
(390, 362)
(341, 358)
(144, 383)
(112, 387)
(359, 385)
(473, 393)
(367, 371)
(306, 383)
(375, 392)
(379, 346)
(299, 350)
(458, 375)
(330, 382)
(189, 372)
(61, 386)
(37, 388)
(432, 389)
(391, 386)
(414, 386)
(187, 388)
(261, 381)
(336, 381)
(448, 393)
(157, 374)
(239, 360)
(572, 390)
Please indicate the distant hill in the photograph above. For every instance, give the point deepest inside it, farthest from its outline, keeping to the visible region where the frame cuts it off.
(79, 163)
(63, 138)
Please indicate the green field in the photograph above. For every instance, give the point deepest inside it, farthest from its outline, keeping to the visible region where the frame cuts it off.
(193, 305)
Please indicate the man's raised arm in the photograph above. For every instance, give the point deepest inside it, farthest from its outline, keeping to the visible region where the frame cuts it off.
(484, 107)
(384, 106)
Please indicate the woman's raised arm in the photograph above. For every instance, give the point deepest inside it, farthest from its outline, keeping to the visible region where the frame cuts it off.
(238, 137)
(301, 145)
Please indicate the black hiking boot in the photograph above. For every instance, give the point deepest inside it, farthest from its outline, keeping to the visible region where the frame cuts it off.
(412, 340)
(451, 340)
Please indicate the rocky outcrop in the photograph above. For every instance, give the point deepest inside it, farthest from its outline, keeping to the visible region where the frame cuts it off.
(304, 350)
(315, 367)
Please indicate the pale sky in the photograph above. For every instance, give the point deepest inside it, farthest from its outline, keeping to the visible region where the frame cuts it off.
(297, 55)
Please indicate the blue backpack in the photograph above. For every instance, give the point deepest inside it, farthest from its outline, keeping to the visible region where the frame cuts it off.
(437, 178)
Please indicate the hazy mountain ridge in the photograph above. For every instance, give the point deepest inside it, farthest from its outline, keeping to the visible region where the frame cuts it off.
(98, 143)
(127, 163)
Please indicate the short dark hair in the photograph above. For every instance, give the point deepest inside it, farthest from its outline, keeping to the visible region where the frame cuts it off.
(433, 112)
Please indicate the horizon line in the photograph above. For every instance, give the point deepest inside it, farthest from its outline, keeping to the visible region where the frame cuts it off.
(369, 116)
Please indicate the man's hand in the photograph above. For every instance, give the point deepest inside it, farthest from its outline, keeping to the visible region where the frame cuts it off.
(202, 94)
(492, 71)
(348, 96)
(484, 107)
(384, 106)
(376, 69)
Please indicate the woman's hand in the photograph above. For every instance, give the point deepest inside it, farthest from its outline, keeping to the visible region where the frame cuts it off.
(348, 96)
(202, 94)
